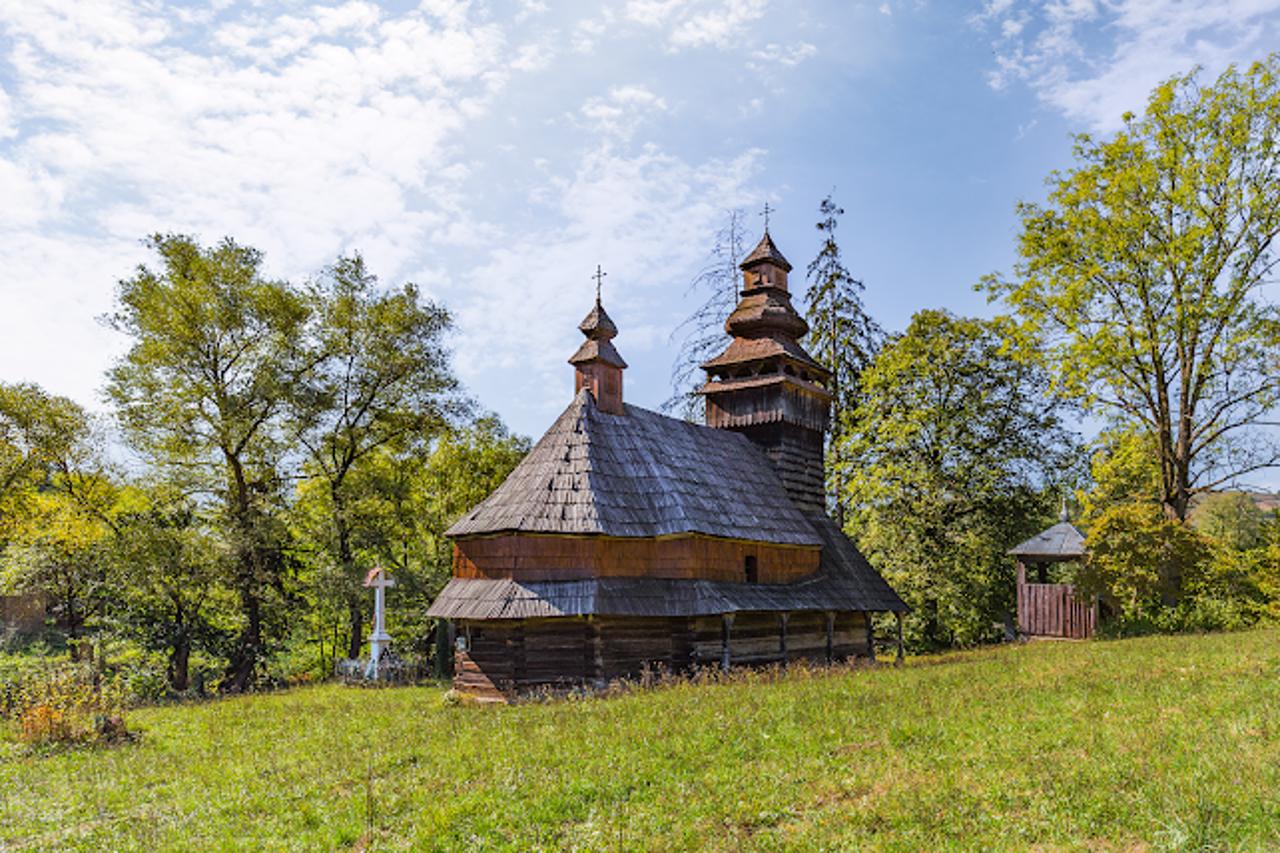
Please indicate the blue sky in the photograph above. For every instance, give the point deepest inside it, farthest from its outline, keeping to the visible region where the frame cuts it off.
(494, 153)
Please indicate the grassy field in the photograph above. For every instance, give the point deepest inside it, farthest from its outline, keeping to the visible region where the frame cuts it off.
(1161, 743)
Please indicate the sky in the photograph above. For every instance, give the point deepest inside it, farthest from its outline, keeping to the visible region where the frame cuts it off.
(495, 152)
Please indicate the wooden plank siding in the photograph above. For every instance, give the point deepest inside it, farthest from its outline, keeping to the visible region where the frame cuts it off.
(532, 557)
(1054, 610)
(502, 658)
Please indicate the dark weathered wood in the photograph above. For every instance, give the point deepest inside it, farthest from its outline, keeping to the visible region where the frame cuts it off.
(900, 653)
(535, 557)
(726, 648)
(1054, 610)
(871, 640)
(505, 658)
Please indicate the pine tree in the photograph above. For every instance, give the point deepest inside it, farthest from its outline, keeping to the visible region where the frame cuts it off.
(842, 337)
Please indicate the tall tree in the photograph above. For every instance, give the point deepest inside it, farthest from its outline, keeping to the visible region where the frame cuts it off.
(1145, 272)
(202, 392)
(702, 334)
(842, 336)
(958, 451)
(380, 380)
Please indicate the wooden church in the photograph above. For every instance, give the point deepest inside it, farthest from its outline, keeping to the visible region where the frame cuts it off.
(628, 541)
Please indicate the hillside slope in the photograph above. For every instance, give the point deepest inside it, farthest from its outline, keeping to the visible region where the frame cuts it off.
(1169, 742)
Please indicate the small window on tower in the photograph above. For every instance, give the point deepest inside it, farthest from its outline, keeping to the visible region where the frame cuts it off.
(750, 570)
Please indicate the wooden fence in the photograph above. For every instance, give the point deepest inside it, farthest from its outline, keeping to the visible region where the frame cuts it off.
(1052, 610)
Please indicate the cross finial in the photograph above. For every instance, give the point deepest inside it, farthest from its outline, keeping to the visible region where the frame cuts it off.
(599, 277)
(765, 214)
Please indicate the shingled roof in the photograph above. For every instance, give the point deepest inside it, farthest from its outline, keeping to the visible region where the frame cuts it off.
(1061, 542)
(765, 251)
(641, 474)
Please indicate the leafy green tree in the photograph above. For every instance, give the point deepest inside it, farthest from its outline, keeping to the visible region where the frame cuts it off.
(379, 380)
(1145, 273)
(958, 447)
(1123, 468)
(202, 393)
(1140, 561)
(401, 503)
(1231, 519)
(701, 335)
(40, 435)
(167, 567)
(842, 336)
(59, 549)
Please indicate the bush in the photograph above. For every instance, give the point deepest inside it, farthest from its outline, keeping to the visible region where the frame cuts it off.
(64, 704)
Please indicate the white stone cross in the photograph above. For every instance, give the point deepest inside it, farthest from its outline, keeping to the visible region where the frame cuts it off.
(379, 640)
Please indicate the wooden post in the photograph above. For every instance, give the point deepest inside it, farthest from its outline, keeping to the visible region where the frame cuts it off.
(1020, 597)
(871, 635)
(782, 636)
(899, 656)
(597, 653)
(726, 628)
(831, 628)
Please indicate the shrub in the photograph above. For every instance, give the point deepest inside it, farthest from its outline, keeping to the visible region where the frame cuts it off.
(64, 704)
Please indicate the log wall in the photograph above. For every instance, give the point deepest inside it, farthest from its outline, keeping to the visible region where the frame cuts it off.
(505, 657)
(531, 557)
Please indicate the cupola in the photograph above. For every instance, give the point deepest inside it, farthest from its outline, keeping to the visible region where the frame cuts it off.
(597, 365)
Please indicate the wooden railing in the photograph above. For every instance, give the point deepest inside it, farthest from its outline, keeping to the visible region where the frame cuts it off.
(1053, 610)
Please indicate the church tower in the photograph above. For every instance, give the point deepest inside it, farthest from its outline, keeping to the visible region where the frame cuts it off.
(597, 365)
(766, 386)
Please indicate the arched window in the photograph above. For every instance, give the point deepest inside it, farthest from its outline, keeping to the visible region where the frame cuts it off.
(751, 570)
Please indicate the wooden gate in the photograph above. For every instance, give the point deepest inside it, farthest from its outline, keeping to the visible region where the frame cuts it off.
(1052, 610)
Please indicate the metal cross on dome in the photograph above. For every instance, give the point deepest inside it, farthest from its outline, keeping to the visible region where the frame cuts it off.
(765, 214)
(599, 277)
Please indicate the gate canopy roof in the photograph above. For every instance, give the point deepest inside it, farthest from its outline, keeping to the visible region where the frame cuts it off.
(1059, 543)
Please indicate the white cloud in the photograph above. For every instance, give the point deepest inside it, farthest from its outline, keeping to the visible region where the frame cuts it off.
(1095, 61)
(697, 23)
(619, 113)
(720, 26)
(641, 215)
(787, 56)
(304, 133)
(308, 131)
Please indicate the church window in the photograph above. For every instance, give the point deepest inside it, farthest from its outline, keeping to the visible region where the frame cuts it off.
(751, 569)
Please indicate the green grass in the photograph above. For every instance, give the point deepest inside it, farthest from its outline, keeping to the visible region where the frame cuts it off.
(1159, 743)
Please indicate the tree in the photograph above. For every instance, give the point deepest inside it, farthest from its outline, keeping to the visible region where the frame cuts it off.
(1144, 272)
(1122, 469)
(39, 435)
(400, 503)
(842, 336)
(1140, 560)
(202, 391)
(167, 563)
(58, 548)
(959, 453)
(701, 335)
(1231, 519)
(380, 378)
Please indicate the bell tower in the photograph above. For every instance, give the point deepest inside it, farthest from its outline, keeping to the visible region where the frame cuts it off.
(598, 366)
(766, 386)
